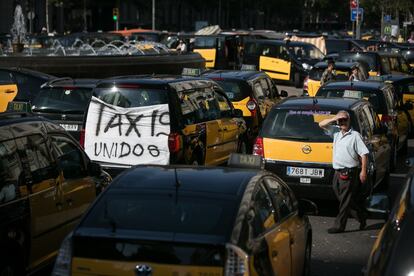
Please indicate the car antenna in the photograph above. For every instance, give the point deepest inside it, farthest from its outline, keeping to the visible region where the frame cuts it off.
(177, 185)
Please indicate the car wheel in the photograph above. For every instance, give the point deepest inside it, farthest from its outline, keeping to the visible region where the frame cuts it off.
(197, 158)
(307, 261)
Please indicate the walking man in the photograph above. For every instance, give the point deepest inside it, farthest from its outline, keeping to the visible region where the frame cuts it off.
(329, 73)
(350, 156)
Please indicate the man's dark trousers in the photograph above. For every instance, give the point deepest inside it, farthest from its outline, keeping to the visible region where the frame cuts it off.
(350, 196)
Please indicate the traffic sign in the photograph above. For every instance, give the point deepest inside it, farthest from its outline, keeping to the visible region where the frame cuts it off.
(31, 15)
(353, 4)
(360, 13)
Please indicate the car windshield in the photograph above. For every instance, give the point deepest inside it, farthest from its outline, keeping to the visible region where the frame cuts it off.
(357, 57)
(235, 90)
(376, 98)
(62, 99)
(306, 52)
(297, 124)
(341, 75)
(131, 97)
(186, 214)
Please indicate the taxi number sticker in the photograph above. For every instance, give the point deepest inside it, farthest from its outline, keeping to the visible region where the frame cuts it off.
(305, 180)
(68, 127)
(311, 172)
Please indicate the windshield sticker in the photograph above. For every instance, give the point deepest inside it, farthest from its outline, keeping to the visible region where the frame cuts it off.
(309, 112)
(127, 136)
(352, 94)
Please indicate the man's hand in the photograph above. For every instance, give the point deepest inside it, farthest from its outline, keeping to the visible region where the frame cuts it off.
(363, 176)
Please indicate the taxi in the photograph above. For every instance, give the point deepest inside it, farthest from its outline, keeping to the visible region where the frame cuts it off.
(253, 92)
(312, 82)
(380, 63)
(283, 60)
(385, 103)
(392, 252)
(295, 148)
(46, 184)
(135, 120)
(203, 221)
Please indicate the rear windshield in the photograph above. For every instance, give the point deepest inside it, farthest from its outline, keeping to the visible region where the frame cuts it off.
(356, 57)
(297, 125)
(59, 99)
(235, 90)
(305, 52)
(132, 97)
(205, 42)
(376, 98)
(198, 215)
(316, 74)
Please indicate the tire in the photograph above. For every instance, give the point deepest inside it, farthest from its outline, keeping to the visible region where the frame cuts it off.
(197, 159)
(307, 260)
(296, 80)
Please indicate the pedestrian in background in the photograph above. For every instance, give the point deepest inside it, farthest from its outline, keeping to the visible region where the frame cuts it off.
(350, 157)
(356, 74)
(329, 73)
(182, 47)
(411, 39)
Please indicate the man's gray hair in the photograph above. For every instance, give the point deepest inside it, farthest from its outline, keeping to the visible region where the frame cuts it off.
(344, 112)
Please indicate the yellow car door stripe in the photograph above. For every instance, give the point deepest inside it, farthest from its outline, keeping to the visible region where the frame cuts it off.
(209, 55)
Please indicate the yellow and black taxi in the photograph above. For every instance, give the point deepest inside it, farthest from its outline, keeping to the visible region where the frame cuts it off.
(300, 152)
(379, 63)
(283, 60)
(203, 221)
(392, 253)
(312, 82)
(135, 120)
(384, 101)
(19, 84)
(46, 184)
(64, 101)
(253, 92)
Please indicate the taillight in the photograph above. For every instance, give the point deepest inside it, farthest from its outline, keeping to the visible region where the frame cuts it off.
(305, 83)
(251, 106)
(258, 148)
(174, 142)
(82, 138)
(237, 261)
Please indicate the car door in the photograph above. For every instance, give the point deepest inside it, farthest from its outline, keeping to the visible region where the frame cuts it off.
(276, 235)
(77, 186)
(286, 207)
(408, 96)
(229, 125)
(274, 61)
(8, 89)
(41, 175)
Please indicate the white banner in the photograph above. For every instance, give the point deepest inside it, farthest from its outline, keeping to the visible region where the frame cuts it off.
(127, 136)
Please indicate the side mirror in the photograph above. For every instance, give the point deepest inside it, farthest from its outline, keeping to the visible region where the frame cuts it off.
(410, 162)
(94, 169)
(238, 113)
(378, 206)
(307, 207)
(408, 106)
(283, 93)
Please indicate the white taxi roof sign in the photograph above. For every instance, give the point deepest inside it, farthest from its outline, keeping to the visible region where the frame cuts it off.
(245, 161)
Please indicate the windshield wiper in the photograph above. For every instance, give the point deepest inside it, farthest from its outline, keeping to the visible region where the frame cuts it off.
(302, 138)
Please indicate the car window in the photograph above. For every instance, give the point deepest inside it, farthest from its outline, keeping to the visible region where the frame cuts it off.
(369, 119)
(389, 98)
(281, 199)
(126, 97)
(11, 173)
(403, 65)
(385, 65)
(205, 42)
(225, 108)
(198, 105)
(28, 86)
(363, 121)
(59, 99)
(235, 90)
(265, 87)
(262, 209)
(36, 160)
(69, 157)
(274, 51)
(274, 93)
(394, 65)
(258, 91)
(6, 77)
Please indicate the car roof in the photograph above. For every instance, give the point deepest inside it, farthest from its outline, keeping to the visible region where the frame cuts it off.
(391, 78)
(381, 53)
(227, 181)
(308, 102)
(150, 79)
(233, 74)
(10, 118)
(69, 82)
(280, 42)
(29, 72)
(359, 85)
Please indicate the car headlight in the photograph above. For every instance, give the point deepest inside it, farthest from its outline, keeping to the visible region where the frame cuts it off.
(63, 262)
(306, 66)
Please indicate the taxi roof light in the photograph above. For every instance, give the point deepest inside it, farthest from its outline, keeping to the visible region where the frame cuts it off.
(245, 161)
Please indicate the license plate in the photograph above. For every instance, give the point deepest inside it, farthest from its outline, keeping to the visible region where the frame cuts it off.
(310, 172)
(305, 180)
(68, 127)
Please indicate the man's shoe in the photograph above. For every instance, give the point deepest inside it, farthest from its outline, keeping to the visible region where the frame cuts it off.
(363, 224)
(335, 230)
